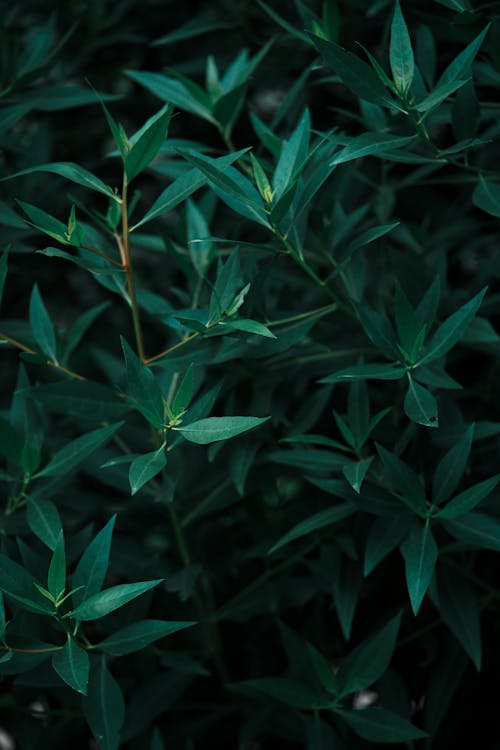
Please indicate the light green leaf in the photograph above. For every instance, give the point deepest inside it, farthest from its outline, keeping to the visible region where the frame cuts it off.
(43, 520)
(145, 467)
(41, 325)
(420, 553)
(72, 665)
(75, 452)
(420, 405)
(139, 635)
(106, 601)
(211, 429)
(380, 725)
(468, 499)
(401, 52)
(313, 523)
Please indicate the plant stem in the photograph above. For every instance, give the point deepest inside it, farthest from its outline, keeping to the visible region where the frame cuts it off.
(125, 248)
(56, 365)
(103, 255)
(192, 336)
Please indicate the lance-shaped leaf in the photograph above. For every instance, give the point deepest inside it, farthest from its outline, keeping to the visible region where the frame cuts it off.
(18, 584)
(460, 66)
(458, 606)
(147, 142)
(184, 392)
(72, 665)
(106, 601)
(211, 429)
(183, 94)
(401, 52)
(43, 520)
(370, 144)
(91, 569)
(420, 553)
(80, 398)
(41, 325)
(56, 579)
(72, 172)
(477, 529)
(468, 499)
(403, 479)
(143, 388)
(3, 271)
(420, 405)
(355, 472)
(145, 467)
(75, 452)
(385, 535)
(370, 660)
(139, 635)
(249, 326)
(486, 195)
(104, 706)
(380, 725)
(313, 523)
(452, 329)
(371, 371)
(451, 467)
(290, 692)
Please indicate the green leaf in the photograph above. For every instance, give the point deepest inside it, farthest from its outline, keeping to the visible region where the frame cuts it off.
(401, 52)
(372, 371)
(385, 535)
(249, 326)
(78, 398)
(41, 325)
(182, 94)
(145, 467)
(292, 156)
(72, 665)
(380, 725)
(43, 520)
(184, 392)
(18, 584)
(69, 171)
(486, 196)
(468, 499)
(477, 529)
(355, 472)
(452, 329)
(370, 660)
(356, 74)
(450, 469)
(460, 66)
(147, 142)
(139, 635)
(420, 553)
(103, 706)
(403, 479)
(313, 523)
(101, 604)
(226, 284)
(56, 580)
(440, 93)
(182, 187)
(458, 606)
(379, 331)
(91, 569)
(3, 271)
(282, 689)
(420, 405)
(406, 321)
(370, 144)
(75, 452)
(143, 388)
(211, 429)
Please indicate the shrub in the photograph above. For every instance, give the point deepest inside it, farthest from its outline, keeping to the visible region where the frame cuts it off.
(250, 424)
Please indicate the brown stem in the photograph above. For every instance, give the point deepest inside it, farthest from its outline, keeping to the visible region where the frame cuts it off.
(192, 336)
(103, 255)
(125, 252)
(27, 349)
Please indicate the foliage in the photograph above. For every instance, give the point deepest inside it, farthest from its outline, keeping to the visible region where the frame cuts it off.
(249, 418)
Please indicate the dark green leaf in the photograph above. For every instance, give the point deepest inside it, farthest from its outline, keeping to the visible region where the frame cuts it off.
(139, 635)
(143, 388)
(450, 469)
(145, 467)
(401, 52)
(355, 472)
(72, 172)
(487, 196)
(370, 144)
(147, 142)
(420, 405)
(403, 479)
(420, 553)
(477, 529)
(91, 569)
(458, 606)
(371, 371)
(452, 329)
(313, 523)
(103, 706)
(72, 665)
(75, 452)
(385, 535)
(460, 66)
(380, 725)
(43, 520)
(468, 499)
(41, 325)
(287, 691)
(80, 398)
(57, 568)
(18, 584)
